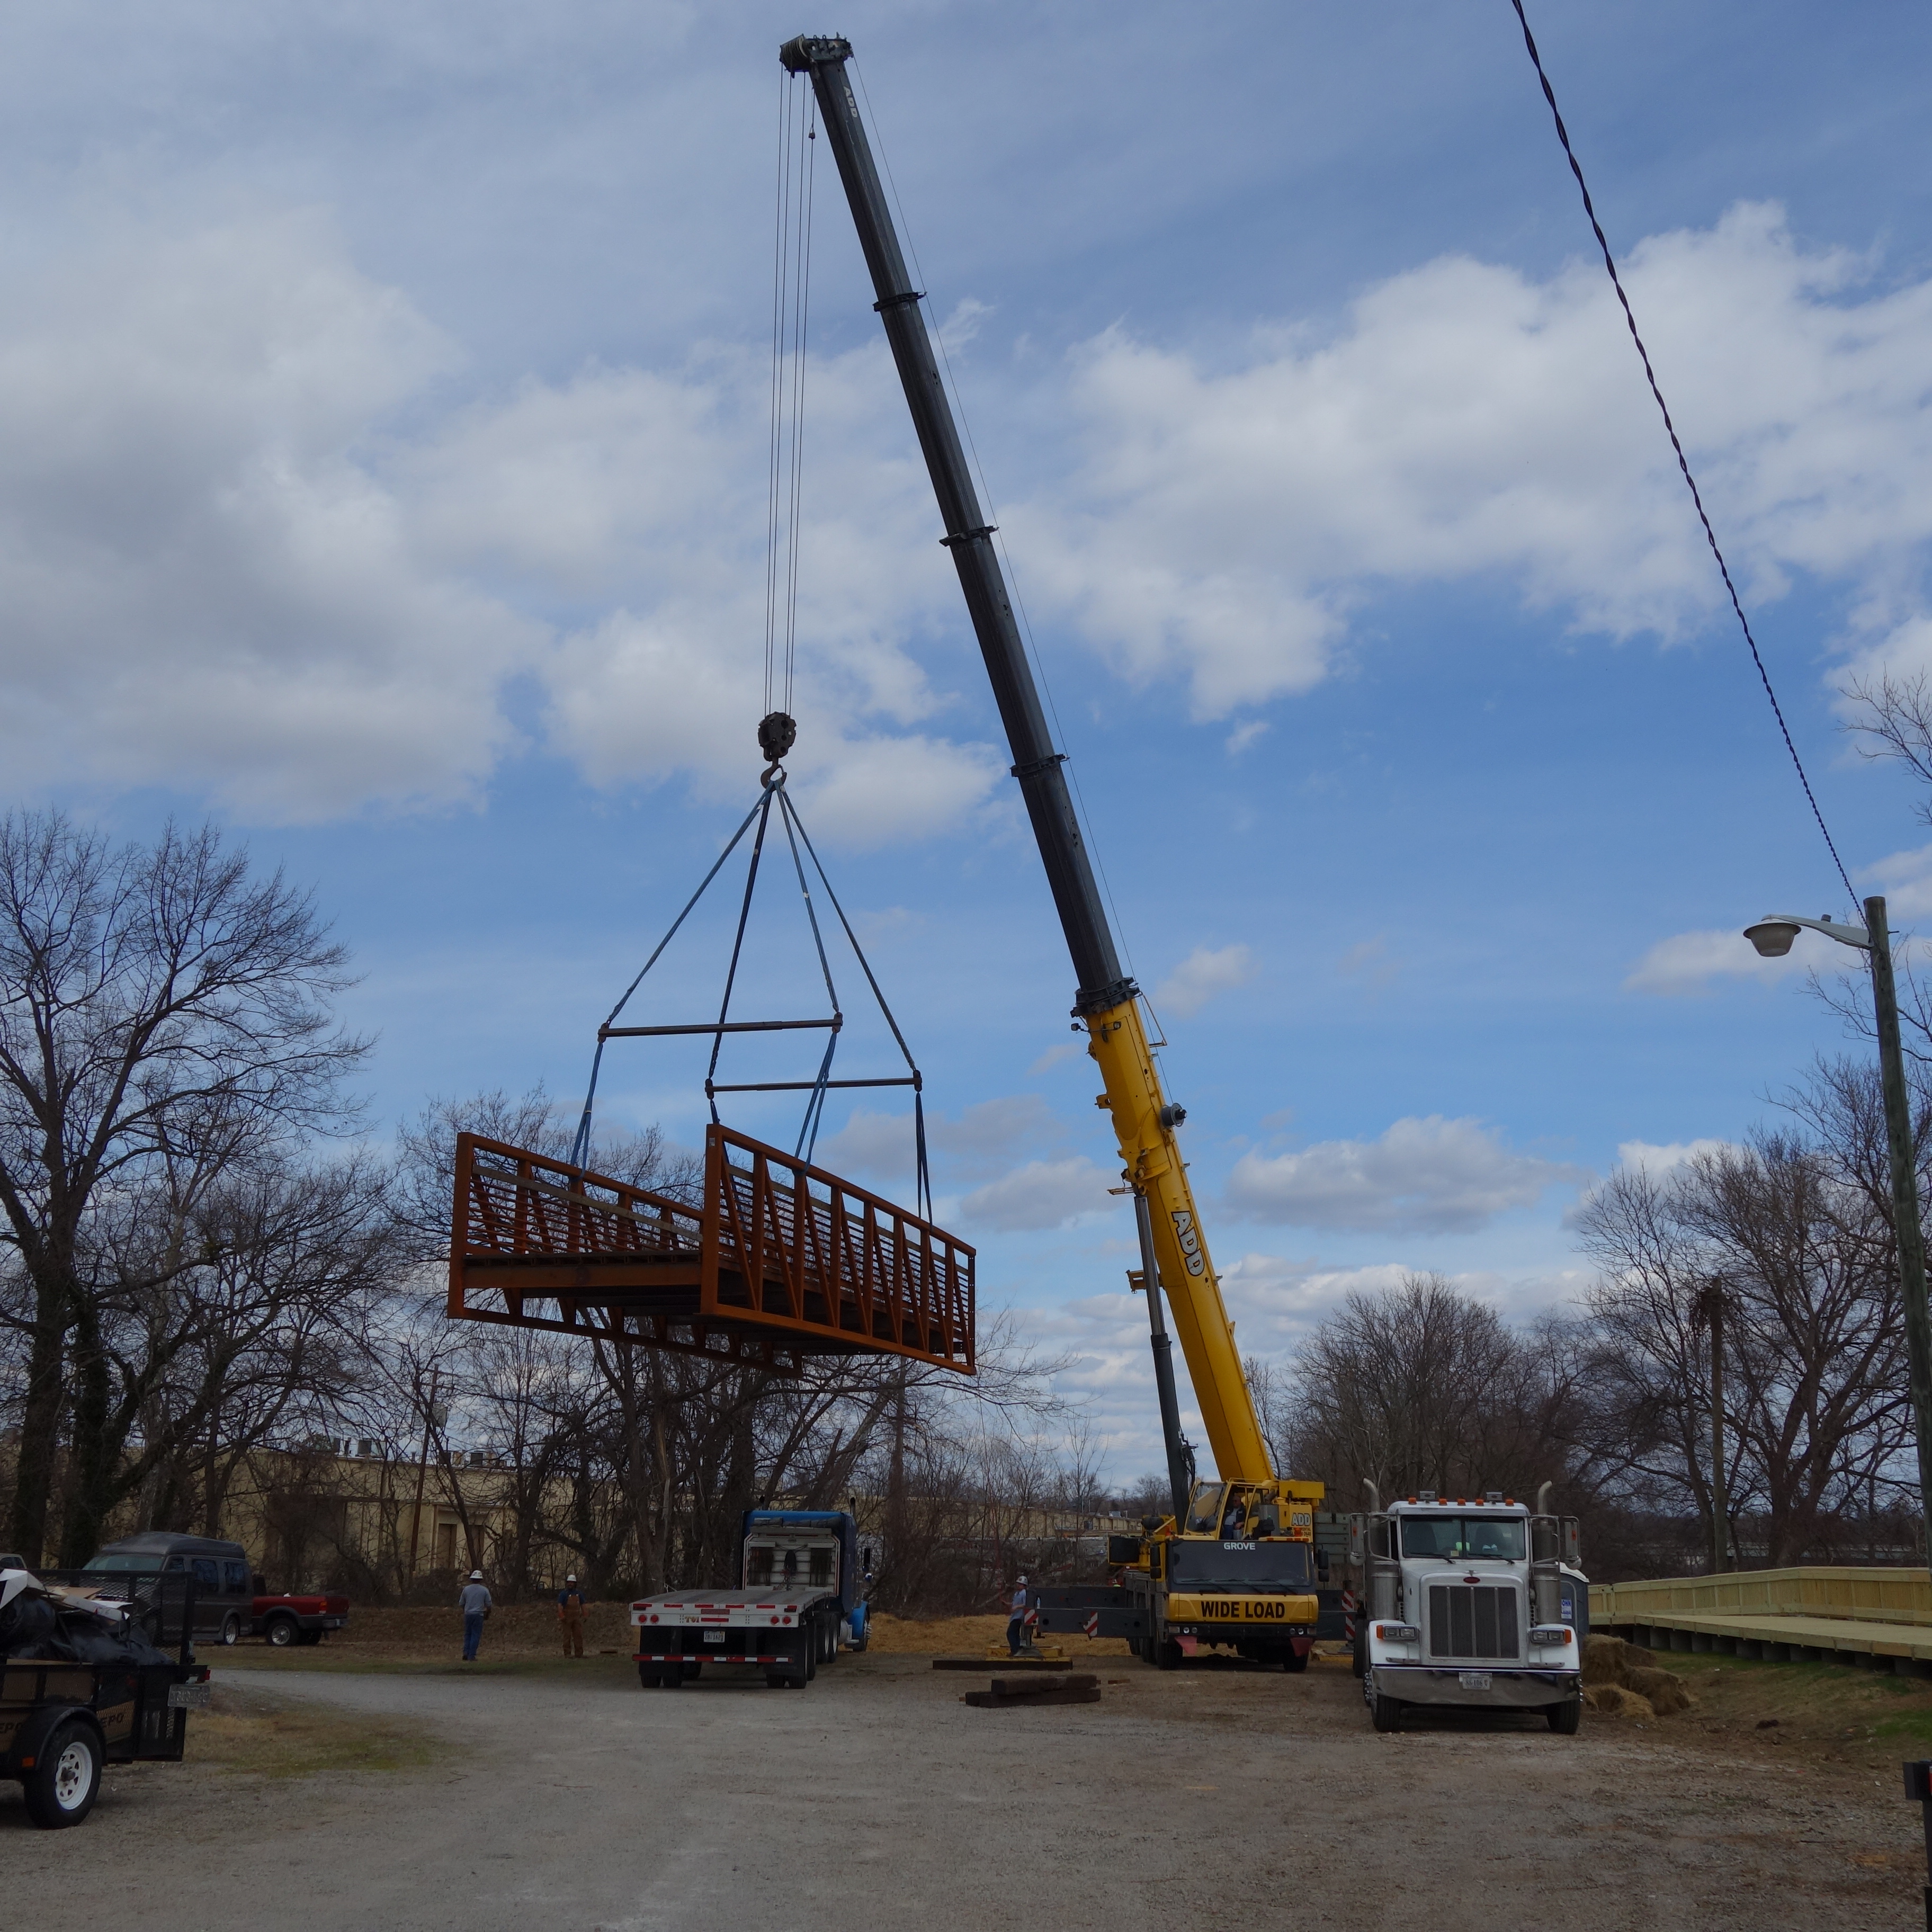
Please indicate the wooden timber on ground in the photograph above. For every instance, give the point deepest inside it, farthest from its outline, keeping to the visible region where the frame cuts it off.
(1040, 1660)
(1005, 1693)
(776, 1260)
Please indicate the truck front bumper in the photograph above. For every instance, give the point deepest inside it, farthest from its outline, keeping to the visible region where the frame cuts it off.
(1513, 1690)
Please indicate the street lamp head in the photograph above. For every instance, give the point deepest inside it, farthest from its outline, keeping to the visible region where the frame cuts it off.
(1772, 936)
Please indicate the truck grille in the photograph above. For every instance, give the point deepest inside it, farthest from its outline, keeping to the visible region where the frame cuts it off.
(1472, 1621)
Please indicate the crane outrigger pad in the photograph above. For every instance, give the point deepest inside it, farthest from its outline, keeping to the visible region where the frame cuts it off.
(777, 1259)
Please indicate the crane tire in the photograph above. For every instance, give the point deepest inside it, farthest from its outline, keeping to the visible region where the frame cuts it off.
(1294, 1661)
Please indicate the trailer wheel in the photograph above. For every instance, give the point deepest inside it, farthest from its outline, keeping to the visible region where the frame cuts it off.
(1564, 1717)
(65, 1779)
(649, 1678)
(783, 1680)
(1385, 1714)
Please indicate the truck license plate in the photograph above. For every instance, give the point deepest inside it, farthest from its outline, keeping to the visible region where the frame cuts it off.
(1475, 1680)
(189, 1697)
(714, 1636)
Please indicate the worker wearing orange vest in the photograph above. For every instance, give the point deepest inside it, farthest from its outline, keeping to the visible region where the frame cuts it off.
(570, 1607)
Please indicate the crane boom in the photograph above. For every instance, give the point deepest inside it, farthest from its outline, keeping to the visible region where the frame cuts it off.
(1107, 1000)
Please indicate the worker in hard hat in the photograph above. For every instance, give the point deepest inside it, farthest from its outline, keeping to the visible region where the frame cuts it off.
(475, 1603)
(1016, 1623)
(571, 1604)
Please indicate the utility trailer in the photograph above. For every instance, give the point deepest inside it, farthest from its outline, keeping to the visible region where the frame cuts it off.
(799, 1600)
(63, 1718)
(1469, 1604)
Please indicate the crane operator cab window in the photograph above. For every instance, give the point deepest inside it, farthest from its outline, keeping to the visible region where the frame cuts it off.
(1204, 1510)
(1468, 1539)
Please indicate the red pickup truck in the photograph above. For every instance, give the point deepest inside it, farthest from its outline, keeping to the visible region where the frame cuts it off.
(287, 1620)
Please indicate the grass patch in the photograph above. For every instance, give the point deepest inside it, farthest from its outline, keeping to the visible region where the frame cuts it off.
(242, 1734)
(1825, 1710)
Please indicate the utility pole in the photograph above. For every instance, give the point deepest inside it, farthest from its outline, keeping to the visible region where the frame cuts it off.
(1772, 936)
(1906, 1225)
(422, 1472)
(1711, 1305)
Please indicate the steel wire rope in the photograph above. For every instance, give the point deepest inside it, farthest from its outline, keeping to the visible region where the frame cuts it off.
(924, 1179)
(1005, 556)
(801, 321)
(1683, 462)
(815, 1106)
(763, 811)
(781, 263)
(579, 1151)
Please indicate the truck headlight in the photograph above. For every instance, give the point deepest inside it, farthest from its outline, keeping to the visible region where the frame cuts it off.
(1552, 1633)
(1396, 1633)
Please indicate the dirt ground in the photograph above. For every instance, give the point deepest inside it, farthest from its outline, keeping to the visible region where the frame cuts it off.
(374, 1790)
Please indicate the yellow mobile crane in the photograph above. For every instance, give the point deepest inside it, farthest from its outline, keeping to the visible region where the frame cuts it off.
(1234, 1563)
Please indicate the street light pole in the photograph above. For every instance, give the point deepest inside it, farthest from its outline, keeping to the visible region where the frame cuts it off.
(1904, 1195)
(1773, 937)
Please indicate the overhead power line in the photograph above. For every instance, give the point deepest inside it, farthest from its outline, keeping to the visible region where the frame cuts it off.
(1683, 462)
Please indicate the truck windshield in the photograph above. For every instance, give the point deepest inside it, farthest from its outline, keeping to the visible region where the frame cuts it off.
(1203, 1511)
(121, 1564)
(1471, 1538)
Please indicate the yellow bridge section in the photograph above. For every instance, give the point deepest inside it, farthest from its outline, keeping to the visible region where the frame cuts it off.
(1879, 1617)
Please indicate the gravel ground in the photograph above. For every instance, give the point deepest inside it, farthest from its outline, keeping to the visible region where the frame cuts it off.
(875, 1798)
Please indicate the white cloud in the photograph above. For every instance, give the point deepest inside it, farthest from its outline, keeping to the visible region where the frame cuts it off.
(1431, 1176)
(1206, 973)
(207, 582)
(1905, 879)
(983, 1142)
(1041, 1194)
(1467, 420)
(247, 547)
(1656, 1158)
(1687, 962)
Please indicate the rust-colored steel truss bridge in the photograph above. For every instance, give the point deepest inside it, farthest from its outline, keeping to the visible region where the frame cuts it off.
(776, 1261)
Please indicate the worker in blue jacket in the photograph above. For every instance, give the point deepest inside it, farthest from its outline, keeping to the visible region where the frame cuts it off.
(570, 1603)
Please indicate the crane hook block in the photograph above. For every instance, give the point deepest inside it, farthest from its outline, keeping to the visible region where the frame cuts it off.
(778, 732)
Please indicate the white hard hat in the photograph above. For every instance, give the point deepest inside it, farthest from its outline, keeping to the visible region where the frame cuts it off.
(571, 1578)
(1022, 1579)
(475, 1575)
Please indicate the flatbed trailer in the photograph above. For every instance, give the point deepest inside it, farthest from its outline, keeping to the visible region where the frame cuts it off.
(798, 1603)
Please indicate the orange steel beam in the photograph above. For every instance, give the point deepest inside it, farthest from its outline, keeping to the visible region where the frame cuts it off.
(776, 1261)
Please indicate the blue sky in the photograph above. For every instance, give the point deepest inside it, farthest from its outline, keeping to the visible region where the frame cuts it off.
(382, 447)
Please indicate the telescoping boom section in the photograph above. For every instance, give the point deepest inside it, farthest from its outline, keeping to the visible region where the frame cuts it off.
(776, 1259)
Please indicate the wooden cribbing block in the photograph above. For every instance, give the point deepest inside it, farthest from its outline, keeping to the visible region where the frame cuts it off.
(1008, 1692)
(1054, 1660)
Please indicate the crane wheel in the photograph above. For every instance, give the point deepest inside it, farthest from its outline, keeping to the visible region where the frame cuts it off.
(1294, 1661)
(1167, 1653)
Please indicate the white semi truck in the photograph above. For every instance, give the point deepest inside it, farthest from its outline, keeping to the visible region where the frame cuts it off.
(1477, 1602)
(799, 1600)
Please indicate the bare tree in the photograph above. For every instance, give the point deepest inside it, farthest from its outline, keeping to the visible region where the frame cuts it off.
(162, 1015)
(1795, 1232)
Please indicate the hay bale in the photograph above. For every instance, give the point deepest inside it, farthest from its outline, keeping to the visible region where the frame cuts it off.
(1664, 1689)
(1612, 1700)
(1609, 1659)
